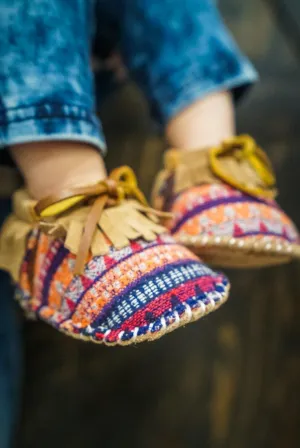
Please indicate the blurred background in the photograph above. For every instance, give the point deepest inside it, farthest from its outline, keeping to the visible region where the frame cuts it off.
(231, 380)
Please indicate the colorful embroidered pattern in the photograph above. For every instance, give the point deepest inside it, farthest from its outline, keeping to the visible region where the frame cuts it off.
(223, 205)
(129, 295)
(219, 214)
(222, 210)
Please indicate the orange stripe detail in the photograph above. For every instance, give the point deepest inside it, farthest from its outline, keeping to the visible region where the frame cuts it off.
(118, 278)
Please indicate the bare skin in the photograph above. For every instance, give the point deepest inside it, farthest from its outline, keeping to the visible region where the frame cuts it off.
(51, 166)
(203, 124)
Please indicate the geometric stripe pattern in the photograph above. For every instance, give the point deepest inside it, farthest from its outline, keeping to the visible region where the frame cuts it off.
(129, 295)
(220, 210)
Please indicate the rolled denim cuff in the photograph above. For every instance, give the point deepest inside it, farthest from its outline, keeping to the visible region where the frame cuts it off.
(178, 61)
(171, 99)
(50, 121)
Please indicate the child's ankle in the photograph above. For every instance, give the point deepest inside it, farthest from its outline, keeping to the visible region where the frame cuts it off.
(205, 123)
(49, 167)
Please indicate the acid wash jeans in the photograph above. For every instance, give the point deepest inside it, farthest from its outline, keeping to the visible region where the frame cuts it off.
(177, 51)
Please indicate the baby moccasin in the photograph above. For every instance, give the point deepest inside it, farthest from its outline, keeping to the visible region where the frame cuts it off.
(223, 205)
(96, 264)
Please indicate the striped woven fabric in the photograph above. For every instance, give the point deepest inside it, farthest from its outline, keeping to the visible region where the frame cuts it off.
(219, 210)
(230, 228)
(223, 205)
(130, 295)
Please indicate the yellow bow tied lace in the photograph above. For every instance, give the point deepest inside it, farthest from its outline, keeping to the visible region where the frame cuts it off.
(121, 184)
(242, 164)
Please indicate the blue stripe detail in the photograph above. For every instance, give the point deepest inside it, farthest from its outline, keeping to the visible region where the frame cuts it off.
(57, 260)
(142, 280)
(96, 279)
(124, 306)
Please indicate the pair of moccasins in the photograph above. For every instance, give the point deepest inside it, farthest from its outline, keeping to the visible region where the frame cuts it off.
(99, 264)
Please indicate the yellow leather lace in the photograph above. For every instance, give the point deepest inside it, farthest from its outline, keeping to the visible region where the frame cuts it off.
(244, 148)
(120, 184)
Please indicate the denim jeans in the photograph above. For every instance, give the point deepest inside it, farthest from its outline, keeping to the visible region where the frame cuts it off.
(177, 51)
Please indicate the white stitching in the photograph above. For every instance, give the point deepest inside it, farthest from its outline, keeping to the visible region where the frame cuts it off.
(202, 305)
(106, 334)
(177, 317)
(188, 310)
(135, 333)
(163, 322)
(120, 335)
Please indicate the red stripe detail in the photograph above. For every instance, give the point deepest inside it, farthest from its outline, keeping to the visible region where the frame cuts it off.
(162, 303)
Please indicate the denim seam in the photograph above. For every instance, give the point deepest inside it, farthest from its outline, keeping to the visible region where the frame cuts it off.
(50, 103)
(66, 121)
(46, 111)
(47, 117)
(186, 94)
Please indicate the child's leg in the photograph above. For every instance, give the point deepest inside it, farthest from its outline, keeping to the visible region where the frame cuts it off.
(52, 166)
(186, 62)
(47, 94)
(88, 261)
(205, 123)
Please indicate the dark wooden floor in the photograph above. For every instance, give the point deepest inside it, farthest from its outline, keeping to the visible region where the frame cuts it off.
(231, 380)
